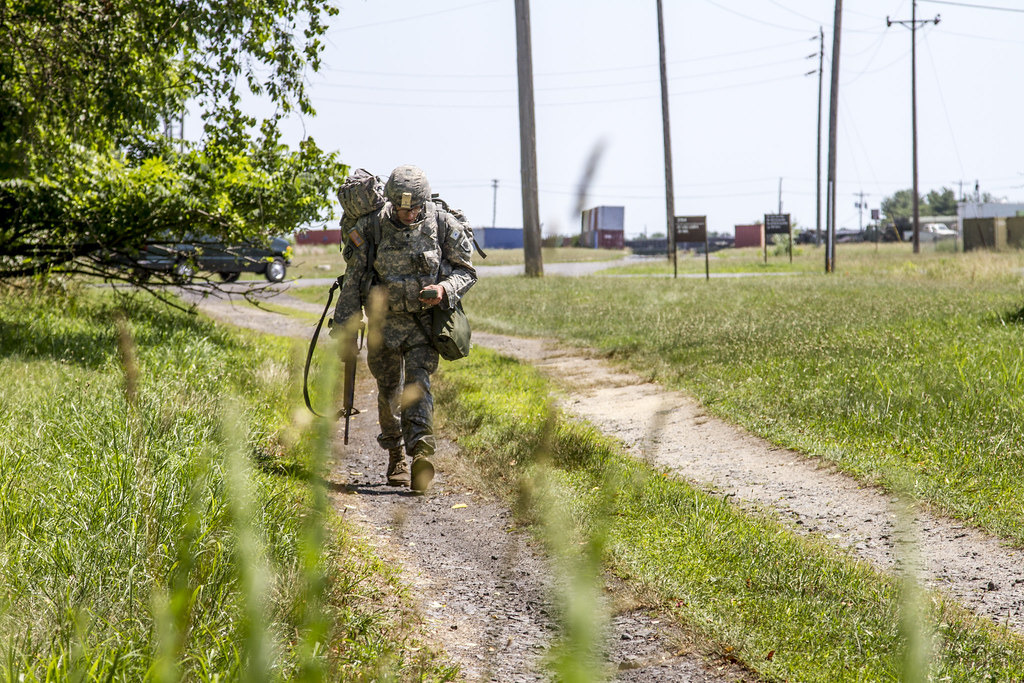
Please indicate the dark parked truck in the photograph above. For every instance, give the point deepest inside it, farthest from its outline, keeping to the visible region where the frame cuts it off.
(184, 259)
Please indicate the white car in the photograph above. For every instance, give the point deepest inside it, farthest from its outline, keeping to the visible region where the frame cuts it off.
(933, 232)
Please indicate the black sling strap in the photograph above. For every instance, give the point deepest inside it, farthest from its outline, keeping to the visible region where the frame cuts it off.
(312, 346)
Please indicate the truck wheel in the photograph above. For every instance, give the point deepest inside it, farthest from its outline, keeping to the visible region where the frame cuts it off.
(275, 270)
(228, 277)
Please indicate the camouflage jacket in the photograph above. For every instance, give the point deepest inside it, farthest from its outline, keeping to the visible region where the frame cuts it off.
(435, 250)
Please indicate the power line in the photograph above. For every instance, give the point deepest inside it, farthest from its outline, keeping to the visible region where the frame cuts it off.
(972, 6)
(945, 109)
(987, 39)
(645, 67)
(865, 71)
(780, 26)
(415, 17)
(754, 19)
(610, 100)
(594, 86)
(794, 12)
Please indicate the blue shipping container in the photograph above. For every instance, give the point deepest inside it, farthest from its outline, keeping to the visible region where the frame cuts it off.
(499, 238)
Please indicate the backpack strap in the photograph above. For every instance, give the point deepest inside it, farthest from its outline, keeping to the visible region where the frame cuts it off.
(443, 208)
(443, 229)
(373, 237)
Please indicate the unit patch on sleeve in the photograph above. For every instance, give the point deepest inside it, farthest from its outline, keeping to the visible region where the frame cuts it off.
(355, 238)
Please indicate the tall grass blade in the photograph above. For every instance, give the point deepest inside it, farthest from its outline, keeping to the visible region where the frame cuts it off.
(172, 605)
(915, 631)
(315, 623)
(250, 559)
(577, 557)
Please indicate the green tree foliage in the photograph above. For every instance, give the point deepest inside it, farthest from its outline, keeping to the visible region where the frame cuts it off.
(942, 202)
(899, 206)
(86, 89)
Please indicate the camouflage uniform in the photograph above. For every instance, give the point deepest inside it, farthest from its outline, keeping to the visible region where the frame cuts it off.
(434, 250)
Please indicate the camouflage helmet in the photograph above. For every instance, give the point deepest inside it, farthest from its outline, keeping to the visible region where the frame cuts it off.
(407, 187)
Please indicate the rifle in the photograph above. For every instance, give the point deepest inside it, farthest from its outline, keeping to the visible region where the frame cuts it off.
(350, 350)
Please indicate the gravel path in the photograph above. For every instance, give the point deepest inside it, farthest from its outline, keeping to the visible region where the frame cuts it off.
(483, 587)
(671, 430)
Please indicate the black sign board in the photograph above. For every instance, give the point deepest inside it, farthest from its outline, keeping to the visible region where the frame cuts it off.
(776, 224)
(691, 228)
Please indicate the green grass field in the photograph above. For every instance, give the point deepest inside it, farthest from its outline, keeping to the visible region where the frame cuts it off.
(850, 258)
(786, 606)
(906, 371)
(160, 518)
(136, 509)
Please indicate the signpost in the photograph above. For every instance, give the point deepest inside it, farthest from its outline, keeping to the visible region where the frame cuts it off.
(777, 224)
(694, 229)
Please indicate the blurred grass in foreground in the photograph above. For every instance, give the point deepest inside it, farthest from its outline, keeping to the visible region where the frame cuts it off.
(911, 375)
(129, 553)
(785, 606)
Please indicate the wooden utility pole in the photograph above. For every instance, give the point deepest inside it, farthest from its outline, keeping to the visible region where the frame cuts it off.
(913, 106)
(860, 205)
(528, 143)
(670, 204)
(833, 116)
(821, 78)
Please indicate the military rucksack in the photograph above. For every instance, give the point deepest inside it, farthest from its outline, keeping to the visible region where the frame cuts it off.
(360, 194)
(363, 193)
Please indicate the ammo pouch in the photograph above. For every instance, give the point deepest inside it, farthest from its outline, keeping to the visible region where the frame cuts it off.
(449, 332)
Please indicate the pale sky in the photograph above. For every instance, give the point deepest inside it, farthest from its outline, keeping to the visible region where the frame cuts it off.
(434, 84)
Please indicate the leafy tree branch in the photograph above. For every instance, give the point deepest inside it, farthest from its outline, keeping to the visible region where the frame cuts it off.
(86, 88)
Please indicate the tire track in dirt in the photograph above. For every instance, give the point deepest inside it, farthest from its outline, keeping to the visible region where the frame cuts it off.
(672, 431)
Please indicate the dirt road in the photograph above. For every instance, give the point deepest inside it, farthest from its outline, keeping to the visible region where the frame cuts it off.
(671, 430)
(483, 587)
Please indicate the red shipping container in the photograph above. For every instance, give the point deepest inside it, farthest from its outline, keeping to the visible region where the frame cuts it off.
(330, 236)
(610, 239)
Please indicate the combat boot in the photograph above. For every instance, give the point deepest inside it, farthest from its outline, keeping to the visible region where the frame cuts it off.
(398, 471)
(422, 470)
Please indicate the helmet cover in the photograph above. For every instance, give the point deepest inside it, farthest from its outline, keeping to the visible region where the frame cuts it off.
(407, 187)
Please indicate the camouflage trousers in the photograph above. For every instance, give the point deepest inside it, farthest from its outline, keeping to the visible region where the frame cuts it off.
(402, 361)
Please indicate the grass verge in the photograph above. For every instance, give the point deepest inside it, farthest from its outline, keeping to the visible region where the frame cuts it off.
(911, 377)
(788, 607)
(850, 259)
(150, 531)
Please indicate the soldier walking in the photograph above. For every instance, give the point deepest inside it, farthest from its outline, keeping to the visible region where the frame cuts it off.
(401, 260)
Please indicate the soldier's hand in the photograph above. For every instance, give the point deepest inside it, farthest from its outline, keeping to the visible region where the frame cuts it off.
(432, 295)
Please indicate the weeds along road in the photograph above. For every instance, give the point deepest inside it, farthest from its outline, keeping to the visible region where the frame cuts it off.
(483, 590)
